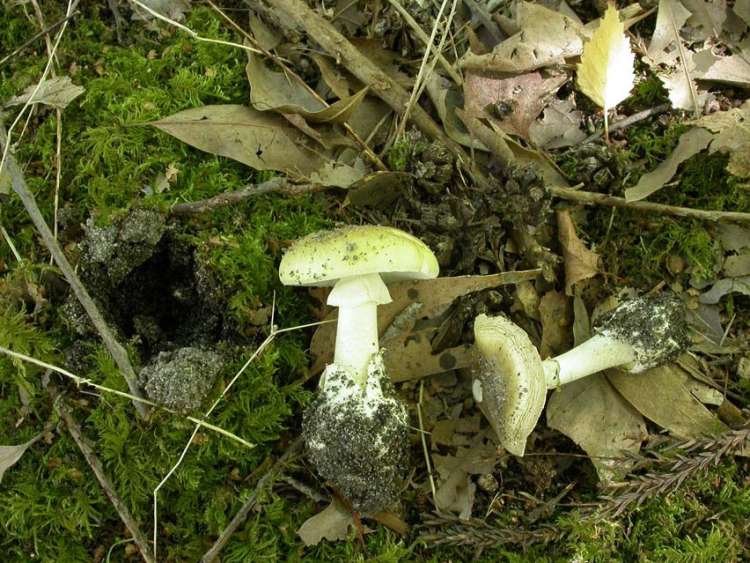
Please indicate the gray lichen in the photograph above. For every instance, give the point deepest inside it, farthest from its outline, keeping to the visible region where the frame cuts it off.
(180, 380)
(357, 438)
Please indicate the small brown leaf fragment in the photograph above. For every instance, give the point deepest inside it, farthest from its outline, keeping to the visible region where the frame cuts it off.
(9, 455)
(737, 266)
(731, 136)
(555, 313)
(691, 143)
(580, 262)
(331, 524)
(515, 101)
(559, 127)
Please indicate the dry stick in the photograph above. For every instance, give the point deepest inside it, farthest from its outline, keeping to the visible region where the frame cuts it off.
(425, 39)
(264, 482)
(98, 469)
(115, 348)
(630, 120)
(592, 198)
(274, 185)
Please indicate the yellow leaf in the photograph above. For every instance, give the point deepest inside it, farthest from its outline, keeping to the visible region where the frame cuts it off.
(605, 73)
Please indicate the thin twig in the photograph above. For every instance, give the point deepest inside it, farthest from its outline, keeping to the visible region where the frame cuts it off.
(305, 489)
(195, 35)
(593, 198)
(424, 68)
(425, 39)
(58, 125)
(258, 351)
(98, 469)
(264, 482)
(36, 36)
(425, 450)
(87, 382)
(628, 121)
(274, 185)
(118, 352)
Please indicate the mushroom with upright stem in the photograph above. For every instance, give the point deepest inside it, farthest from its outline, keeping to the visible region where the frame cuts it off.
(511, 380)
(356, 427)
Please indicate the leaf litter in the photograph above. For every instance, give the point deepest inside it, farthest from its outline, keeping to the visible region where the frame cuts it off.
(512, 88)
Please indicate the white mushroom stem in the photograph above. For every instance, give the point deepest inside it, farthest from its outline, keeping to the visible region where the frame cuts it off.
(598, 353)
(357, 298)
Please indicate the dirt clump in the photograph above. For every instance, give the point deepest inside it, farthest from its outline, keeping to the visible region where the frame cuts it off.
(181, 379)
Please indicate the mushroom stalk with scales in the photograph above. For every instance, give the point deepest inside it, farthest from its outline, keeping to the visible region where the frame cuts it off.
(356, 427)
(511, 380)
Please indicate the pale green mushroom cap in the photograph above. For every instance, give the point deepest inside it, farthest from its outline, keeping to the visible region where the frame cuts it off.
(509, 383)
(322, 258)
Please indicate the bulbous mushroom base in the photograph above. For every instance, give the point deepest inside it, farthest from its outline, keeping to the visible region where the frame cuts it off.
(357, 437)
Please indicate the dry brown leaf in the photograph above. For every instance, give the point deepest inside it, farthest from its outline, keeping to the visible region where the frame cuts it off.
(733, 70)
(732, 135)
(514, 101)
(448, 101)
(737, 266)
(707, 17)
(545, 37)
(332, 524)
(592, 414)
(559, 127)
(724, 287)
(662, 395)
(671, 60)
(10, 455)
(261, 140)
(55, 92)
(267, 38)
(580, 262)
(276, 91)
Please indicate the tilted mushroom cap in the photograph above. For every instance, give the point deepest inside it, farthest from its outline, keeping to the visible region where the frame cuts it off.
(322, 258)
(509, 380)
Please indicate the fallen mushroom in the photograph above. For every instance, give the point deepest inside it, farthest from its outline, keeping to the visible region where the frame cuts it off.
(356, 428)
(511, 380)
